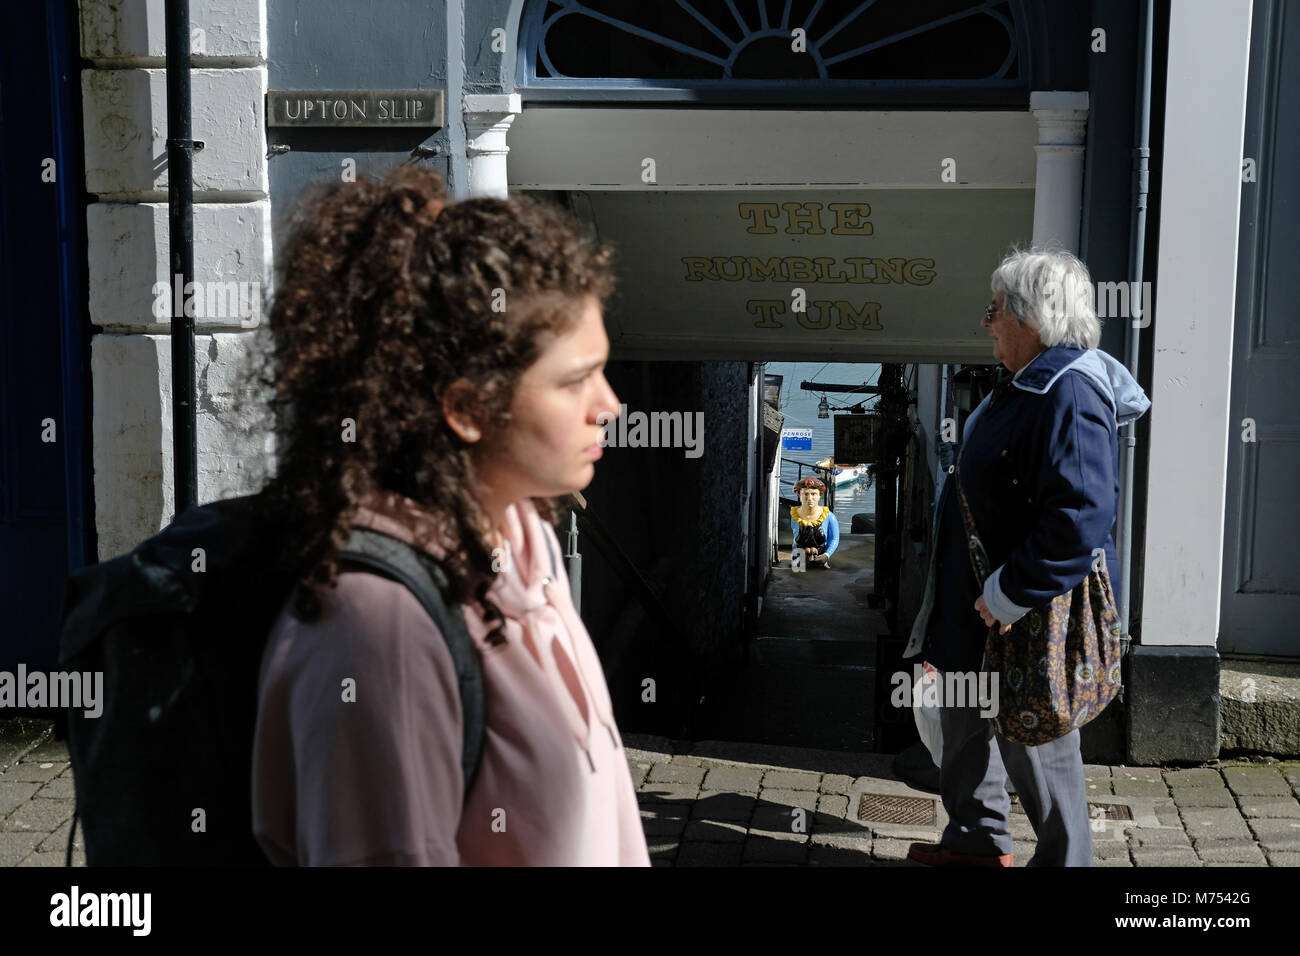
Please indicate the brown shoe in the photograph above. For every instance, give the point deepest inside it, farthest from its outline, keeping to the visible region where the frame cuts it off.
(936, 854)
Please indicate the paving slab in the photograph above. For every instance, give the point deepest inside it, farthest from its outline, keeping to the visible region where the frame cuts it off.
(785, 799)
(54, 859)
(1277, 834)
(739, 779)
(715, 803)
(1127, 786)
(780, 823)
(714, 831)
(1150, 774)
(61, 787)
(1191, 777)
(16, 847)
(20, 735)
(48, 750)
(833, 804)
(890, 849)
(665, 792)
(1256, 781)
(686, 760)
(1218, 852)
(836, 783)
(37, 772)
(1269, 807)
(664, 819)
(791, 780)
(662, 849)
(838, 856)
(58, 840)
(1212, 823)
(1164, 856)
(1109, 849)
(38, 816)
(673, 774)
(858, 839)
(1159, 836)
(1206, 796)
(724, 805)
(15, 793)
(710, 854)
(761, 849)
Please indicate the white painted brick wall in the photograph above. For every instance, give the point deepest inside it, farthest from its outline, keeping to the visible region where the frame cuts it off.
(125, 126)
(134, 29)
(132, 428)
(128, 243)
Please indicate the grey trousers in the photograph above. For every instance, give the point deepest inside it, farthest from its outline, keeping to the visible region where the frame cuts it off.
(1048, 779)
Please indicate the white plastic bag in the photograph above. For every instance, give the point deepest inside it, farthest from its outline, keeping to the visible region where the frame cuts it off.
(927, 717)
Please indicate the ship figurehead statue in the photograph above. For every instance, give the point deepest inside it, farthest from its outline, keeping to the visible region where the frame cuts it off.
(816, 531)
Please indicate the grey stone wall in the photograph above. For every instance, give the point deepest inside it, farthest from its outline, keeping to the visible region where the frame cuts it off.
(679, 521)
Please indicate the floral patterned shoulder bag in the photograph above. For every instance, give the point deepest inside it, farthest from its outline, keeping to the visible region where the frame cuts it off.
(1059, 665)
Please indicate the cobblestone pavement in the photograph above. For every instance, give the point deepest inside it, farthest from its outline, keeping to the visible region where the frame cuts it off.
(36, 797)
(732, 804)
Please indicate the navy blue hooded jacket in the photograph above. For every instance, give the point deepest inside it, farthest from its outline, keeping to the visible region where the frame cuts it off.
(1040, 468)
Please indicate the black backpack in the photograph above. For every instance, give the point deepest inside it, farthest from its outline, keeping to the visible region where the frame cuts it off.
(180, 645)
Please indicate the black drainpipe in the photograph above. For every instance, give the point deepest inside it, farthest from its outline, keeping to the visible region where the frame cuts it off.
(1132, 345)
(180, 242)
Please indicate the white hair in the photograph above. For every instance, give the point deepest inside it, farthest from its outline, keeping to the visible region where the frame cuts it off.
(1049, 289)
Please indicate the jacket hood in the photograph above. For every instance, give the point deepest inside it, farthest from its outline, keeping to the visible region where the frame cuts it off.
(1112, 379)
(399, 516)
(532, 594)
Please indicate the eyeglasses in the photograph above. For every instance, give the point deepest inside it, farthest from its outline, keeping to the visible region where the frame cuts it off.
(990, 311)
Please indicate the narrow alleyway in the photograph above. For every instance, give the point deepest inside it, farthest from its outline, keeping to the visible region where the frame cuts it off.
(810, 679)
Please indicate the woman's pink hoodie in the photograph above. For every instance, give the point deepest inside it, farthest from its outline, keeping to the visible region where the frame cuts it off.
(372, 775)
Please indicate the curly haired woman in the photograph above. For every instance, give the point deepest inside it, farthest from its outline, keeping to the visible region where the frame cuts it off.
(437, 370)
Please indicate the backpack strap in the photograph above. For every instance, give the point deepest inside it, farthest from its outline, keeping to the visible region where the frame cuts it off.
(390, 557)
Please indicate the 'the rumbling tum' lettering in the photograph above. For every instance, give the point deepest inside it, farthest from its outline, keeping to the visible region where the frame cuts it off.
(821, 269)
(819, 314)
(805, 218)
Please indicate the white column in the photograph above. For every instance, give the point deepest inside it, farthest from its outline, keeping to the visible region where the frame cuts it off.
(124, 111)
(1191, 377)
(487, 121)
(1062, 120)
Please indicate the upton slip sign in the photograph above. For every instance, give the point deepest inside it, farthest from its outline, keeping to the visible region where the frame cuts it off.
(354, 108)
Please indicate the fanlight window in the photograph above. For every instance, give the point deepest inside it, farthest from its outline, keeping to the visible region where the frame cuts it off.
(704, 42)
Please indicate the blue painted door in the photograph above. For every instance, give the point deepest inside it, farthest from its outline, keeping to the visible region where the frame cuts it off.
(42, 346)
(1261, 560)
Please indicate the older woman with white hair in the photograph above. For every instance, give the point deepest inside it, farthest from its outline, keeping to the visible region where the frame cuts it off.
(1039, 467)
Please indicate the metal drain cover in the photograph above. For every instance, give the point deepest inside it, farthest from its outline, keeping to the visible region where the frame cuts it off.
(886, 808)
(1113, 811)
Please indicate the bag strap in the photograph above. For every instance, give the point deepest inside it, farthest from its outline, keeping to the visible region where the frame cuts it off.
(391, 557)
(979, 559)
